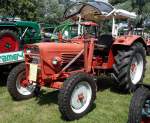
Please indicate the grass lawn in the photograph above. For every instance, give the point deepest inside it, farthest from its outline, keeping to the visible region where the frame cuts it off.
(110, 107)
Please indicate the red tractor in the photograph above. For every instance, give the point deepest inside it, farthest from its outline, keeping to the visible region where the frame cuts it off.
(71, 65)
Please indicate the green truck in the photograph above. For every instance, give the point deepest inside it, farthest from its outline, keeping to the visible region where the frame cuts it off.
(14, 34)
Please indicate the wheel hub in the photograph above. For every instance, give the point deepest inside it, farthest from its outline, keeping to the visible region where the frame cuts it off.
(24, 83)
(23, 86)
(136, 68)
(146, 112)
(133, 68)
(80, 97)
(8, 43)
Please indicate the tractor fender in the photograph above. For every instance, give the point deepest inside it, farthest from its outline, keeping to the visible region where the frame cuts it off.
(129, 40)
(13, 28)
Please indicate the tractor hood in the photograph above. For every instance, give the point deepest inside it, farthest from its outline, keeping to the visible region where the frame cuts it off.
(59, 47)
(95, 11)
(65, 52)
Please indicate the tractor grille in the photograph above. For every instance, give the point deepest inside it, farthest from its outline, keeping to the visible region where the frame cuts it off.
(66, 58)
(33, 59)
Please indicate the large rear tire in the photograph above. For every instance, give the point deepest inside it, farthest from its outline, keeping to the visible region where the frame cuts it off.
(130, 66)
(17, 90)
(8, 41)
(77, 96)
(139, 103)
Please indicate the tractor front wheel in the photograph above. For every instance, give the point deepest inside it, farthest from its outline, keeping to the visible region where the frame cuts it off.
(17, 86)
(77, 96)
(130, 66)
(139, 111)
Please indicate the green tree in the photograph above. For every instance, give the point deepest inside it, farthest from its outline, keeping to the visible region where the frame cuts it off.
(50, 11)
(114, 2)
(21, 8)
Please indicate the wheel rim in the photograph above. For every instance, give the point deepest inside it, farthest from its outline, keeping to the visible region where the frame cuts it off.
(81, 97)
(24, 89)
(8, 43)
(136, 68)
(146, 112)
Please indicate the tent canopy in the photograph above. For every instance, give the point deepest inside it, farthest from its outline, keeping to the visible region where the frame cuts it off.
(95, 11)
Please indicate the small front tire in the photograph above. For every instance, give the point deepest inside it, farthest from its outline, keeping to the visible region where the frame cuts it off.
(15, 88)
(77, 96)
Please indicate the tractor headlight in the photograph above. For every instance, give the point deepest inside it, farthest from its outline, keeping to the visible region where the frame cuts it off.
(28, 51)
(56, 61)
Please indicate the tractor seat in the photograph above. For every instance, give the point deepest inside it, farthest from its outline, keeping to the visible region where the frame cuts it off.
(105, 41)
(103, 45)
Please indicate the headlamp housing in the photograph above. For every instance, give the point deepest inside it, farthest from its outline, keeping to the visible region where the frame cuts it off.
(56, 61)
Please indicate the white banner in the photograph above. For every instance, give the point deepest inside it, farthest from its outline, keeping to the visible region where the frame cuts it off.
(11, 57)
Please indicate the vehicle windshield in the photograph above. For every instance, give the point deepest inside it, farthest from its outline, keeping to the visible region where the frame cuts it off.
(89, 30)
(70, 32)
(75, 30)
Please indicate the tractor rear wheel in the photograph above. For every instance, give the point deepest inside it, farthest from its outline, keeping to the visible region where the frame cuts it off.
(17, 86)
(77, 96)
(8, 41)
(130, 66)
(140, 106)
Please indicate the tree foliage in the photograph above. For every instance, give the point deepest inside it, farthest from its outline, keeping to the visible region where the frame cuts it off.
(114, 2)
(132, 5)
(21, 8)
(40, 10)
(51, 11)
